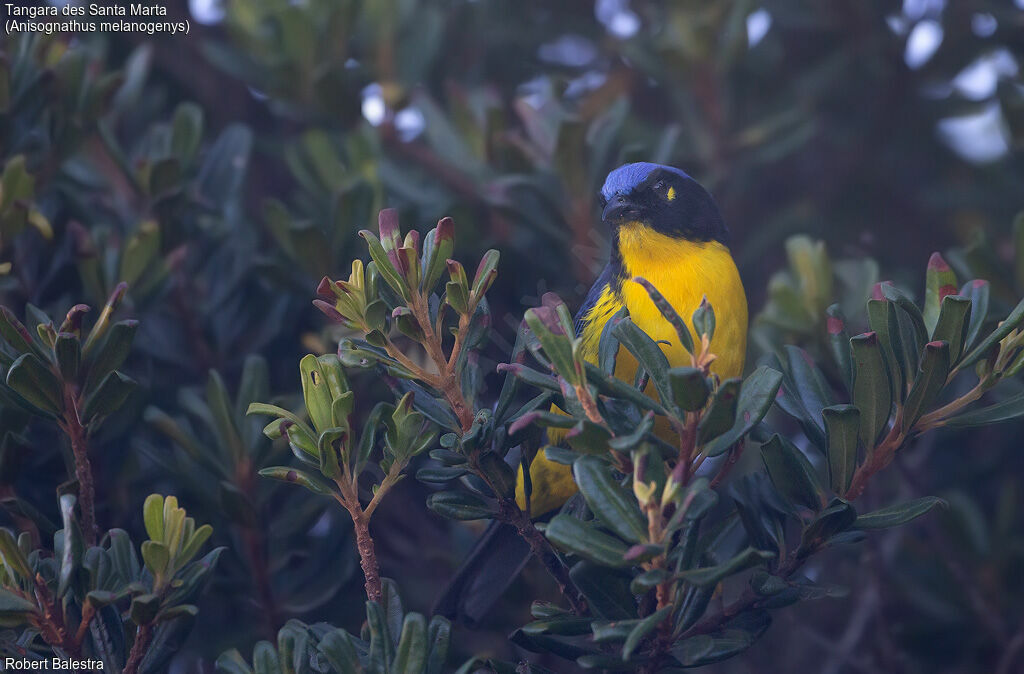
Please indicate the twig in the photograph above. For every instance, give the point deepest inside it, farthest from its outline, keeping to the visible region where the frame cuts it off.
(349, 500)
(143, 635)
(71, 424)
(510, 513)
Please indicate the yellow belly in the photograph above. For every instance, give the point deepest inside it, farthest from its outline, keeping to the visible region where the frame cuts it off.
(684, 272)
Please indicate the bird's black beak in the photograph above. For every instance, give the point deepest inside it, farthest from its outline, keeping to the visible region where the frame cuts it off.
(620, 209)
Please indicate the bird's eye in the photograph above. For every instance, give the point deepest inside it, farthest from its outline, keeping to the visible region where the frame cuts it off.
(659, 186)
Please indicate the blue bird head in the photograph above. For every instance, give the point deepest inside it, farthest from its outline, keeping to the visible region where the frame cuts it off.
(663, 198)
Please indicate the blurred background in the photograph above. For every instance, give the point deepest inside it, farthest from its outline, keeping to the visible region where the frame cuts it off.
(222, 173)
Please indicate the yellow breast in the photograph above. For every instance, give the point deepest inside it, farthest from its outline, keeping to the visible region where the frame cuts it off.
(684, 272)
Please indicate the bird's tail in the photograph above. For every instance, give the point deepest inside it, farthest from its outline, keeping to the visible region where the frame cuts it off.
(495, 561)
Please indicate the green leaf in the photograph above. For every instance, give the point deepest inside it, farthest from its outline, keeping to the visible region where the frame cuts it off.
(33, 381)
(557, 344)
(316, 393)
(186, 131)
(384, 266)
(810, 383)
(616, 388)
(669, 313)
(616, 508)
(486, 272)
(1007, 410)
(896, 515)
(265, 659)
(704, 319)
(382, 647)
(327, 448)
(14, 333)
(109, 396)
(842, 424)
(299, 477)
(460, 506)
(337, 648)
(156, 556)
(411, 655)
(884, 322)
(872, 393)
(833, 520)
(13, 558)
(192, 545)
(275, 411)
(439, 635)
(940, 281)
(910, 310)
(11, 606)
(951, 326)
(694, 651)
(587, 437)
(1011, 322)
(68, 350)
(711, 575)
(791, 473)
(232, 662)
(756, 397)
(647, 353)
(572, 535)
(839, 344)
(437, 248)
(144, 608)
(642, 629)
(606, 591)
(721, 414)
(929, 383)
(977, 292)
(690, 388)
(153, 516)
(560, 625)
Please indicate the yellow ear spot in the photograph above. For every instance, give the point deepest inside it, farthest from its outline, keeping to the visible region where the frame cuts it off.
(671, 193)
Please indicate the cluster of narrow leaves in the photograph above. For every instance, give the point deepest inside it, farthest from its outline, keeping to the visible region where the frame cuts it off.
(635, 543)
(405, 303)
(335, 462)
(391, 641)
(96, 601)
(916, 369)
(69, 375)
(220, 451)
(653, 541)
(328, 444)
(64, 372)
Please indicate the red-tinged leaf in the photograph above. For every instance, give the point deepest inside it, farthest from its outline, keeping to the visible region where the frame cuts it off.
(387, 224)
(940, 281)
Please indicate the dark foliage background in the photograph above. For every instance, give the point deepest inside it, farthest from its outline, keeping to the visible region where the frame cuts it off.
(222, 173)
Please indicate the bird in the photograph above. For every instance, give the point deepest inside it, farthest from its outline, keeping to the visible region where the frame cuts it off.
(666, 228)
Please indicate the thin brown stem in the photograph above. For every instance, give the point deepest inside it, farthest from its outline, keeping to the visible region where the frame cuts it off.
(938, 416)
(349, 500)
(52, 627)
(73, 428)
(730, 461)
(88, 613)
(143, 636)
(367, 557)
(747, 600)
(541, 549)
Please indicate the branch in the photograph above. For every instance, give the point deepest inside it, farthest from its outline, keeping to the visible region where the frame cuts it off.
(72, 427)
